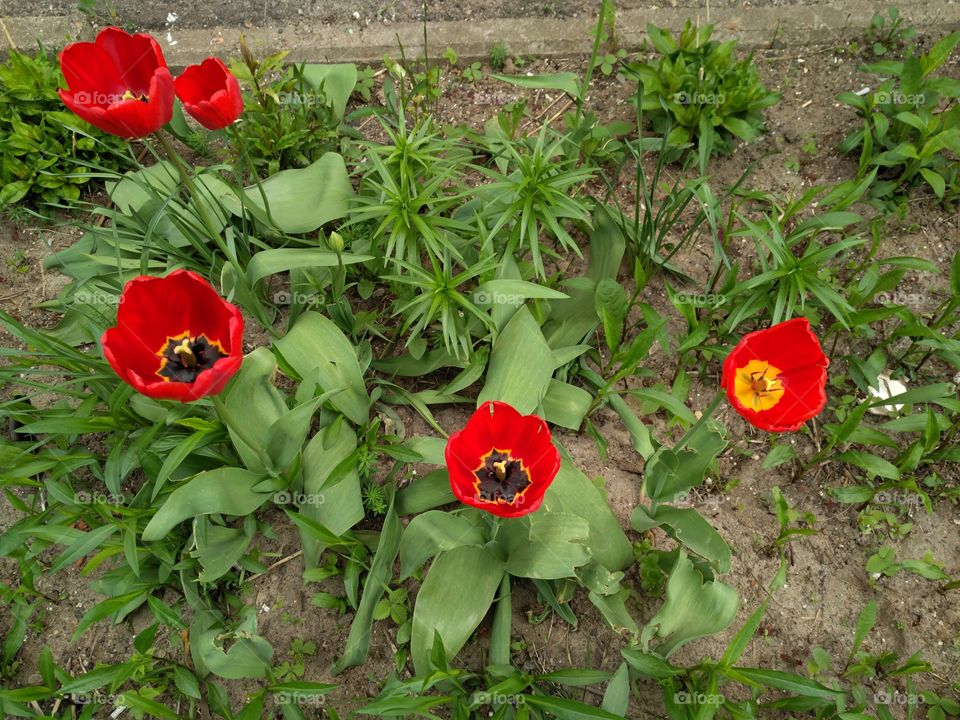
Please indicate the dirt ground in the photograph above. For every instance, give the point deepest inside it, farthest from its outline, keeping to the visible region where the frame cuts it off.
(827, 585)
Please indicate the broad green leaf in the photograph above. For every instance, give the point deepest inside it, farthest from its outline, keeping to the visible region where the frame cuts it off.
(670, 475)
(567, 82)
(543, 545)
(233, 655)
(254, 404)
(689, 527)
(270, 262)
(301, 200)
(377, 582)
(318, 351)
(218, 549)
(778, 455)
(337, 82)
(508, 291)
(873, 464)
(650, 665)
(454, 597)
(611, 305)
(425, 493)
(334, 502)
(616, 699)
(566, 405)
(521, 365)
(226, 490)
(691, 609)
(434, 532)
(572, 492)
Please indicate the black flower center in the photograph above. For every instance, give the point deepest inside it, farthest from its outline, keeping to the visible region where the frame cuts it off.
(501, 478)
(183, 358)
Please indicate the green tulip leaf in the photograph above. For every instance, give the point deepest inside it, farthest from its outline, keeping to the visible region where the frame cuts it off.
(316, 349)
(332, 499)
(691, 609)
(544, 545)
(434, 532)
(572, 493)
(300, 200)
(226, 490)
(233, 655)
(336, 81)
(218, 549)
(455, 596)
(521, 365)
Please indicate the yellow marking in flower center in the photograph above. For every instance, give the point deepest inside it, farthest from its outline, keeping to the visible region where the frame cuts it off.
(128, 95)
(756, 385)
(186, 355)
(501, 469)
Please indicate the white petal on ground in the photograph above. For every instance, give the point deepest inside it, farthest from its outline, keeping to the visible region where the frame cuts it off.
(886, 388)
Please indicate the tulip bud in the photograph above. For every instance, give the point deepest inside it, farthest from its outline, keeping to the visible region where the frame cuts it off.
(335, 242)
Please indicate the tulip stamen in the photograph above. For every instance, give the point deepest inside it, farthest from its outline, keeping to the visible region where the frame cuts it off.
(757, 385)
(185, 353)
(501, 478)
(185, 356)
(129, 95)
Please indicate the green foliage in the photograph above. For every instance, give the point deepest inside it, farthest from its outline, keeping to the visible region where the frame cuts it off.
(292, 114)
(911, 125)
(699, 93)
(889, 34)
(498, 55)
(47, 154)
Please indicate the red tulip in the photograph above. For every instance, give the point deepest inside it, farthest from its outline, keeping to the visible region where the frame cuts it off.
(776, 378)
(502, 461)
(119, 83)
(175, 338)
(210, 93)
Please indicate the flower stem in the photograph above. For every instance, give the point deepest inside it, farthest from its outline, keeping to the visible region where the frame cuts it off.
(187, 178)
(212, 228)
(502, 618)
(707, 414)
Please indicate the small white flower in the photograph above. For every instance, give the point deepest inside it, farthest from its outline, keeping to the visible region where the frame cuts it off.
(886, 388)
(172, 17)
